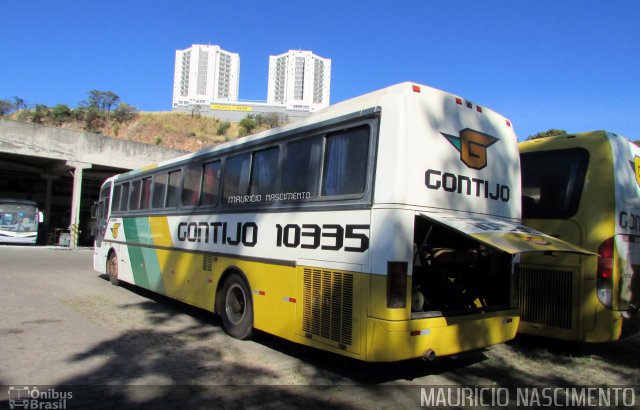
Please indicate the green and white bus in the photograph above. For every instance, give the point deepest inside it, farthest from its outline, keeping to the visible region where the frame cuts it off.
(382, 228)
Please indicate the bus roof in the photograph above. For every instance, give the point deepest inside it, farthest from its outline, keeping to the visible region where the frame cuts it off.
(18, 201)
(363, 105)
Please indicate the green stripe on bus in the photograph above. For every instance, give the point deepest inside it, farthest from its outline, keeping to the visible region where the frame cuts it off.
(152, 265)
(137, 231)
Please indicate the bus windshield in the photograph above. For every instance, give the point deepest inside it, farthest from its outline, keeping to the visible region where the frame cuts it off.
(17, 217)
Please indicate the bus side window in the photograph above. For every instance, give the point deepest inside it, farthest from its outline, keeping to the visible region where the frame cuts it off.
(145, 198)
(159, 190)
(345, 162)
(173, 189)
(301, 168)
(191, 185)
(124, 201)
(134, 195)
(236, 176)
(115, 204)
(264, 171)
(210, 183)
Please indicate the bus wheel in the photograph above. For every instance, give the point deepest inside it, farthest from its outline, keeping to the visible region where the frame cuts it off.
(112, 269)
(237, 307)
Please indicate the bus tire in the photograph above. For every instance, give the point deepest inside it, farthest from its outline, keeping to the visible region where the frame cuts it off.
(236, 307)
(112, 269)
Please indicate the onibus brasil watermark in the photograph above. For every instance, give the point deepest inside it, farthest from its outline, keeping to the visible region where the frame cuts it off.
(529, 396)
(25, 397)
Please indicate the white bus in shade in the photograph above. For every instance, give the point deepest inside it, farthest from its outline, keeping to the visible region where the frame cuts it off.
(382, 228)
(19, 219)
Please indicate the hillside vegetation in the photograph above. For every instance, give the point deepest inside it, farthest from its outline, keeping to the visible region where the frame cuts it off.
(170, 130)
(104, 113)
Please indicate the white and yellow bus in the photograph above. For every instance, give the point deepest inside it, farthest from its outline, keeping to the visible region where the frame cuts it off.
(382, 228)
(584, 189)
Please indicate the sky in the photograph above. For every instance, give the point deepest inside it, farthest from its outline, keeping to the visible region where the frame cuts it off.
(564, 64)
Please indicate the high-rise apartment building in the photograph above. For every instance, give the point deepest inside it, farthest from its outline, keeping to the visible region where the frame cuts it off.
(300, 80)
(204, 74)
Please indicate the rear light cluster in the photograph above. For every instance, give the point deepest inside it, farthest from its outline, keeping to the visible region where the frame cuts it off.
(604, 282)
(459, 101)
(396, 284)
(469, 104)
(478, 108)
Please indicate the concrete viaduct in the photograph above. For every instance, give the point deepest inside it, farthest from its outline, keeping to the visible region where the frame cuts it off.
(62, 171)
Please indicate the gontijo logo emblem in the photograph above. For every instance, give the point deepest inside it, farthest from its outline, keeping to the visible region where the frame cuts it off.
(635, 165)
(472, 146)
(114, 230)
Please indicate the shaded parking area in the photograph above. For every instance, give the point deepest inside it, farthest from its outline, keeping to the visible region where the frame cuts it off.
(66, 328)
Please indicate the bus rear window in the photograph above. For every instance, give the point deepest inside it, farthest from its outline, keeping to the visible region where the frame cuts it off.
(552, 183)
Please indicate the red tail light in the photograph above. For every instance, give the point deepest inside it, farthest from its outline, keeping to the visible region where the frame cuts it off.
(396, 284)
(604, 282)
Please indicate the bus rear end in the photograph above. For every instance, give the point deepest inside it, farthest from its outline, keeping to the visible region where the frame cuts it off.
(448, 206)
(585, 189)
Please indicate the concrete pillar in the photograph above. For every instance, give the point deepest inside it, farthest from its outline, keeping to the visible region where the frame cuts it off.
(46, 225)
(75, 201)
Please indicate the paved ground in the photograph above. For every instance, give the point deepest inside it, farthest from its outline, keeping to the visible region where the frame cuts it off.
(66, 330)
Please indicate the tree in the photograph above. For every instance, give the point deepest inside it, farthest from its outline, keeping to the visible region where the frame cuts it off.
(109, 99)
(94, 99)
(102, 100)
(247, 124)
(60, 113)
(6, 107)
(549, 133)
(124, 112)
(223, 127)
(92, 120)
(19, 104)
(39, 113)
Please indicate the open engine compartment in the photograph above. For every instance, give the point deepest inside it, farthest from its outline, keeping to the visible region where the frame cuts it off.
(454, 274)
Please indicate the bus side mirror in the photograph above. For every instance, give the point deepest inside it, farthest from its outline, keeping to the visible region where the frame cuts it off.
(40, 217)
(94, 210)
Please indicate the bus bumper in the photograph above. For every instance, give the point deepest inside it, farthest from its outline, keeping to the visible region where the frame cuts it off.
(19, 240)
(435, 337)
